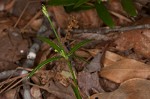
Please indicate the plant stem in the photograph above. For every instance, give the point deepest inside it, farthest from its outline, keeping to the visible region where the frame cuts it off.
(54, 29)
(75, 86)
(45, 12)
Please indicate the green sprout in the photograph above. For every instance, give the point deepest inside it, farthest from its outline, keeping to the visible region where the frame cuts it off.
(62, 54)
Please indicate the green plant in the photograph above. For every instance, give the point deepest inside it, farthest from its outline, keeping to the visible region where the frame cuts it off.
(62, 54)
(76, 5)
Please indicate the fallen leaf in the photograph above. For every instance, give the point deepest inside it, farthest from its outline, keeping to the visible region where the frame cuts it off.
(82, 53)
(11, 94)
(108, 85)
(119, 69)
(87, 81)
(87, 18)
(94, 65)
(138, 40)
(131, 89)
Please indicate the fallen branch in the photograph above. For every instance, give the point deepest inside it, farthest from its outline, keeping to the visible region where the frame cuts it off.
(107, 30)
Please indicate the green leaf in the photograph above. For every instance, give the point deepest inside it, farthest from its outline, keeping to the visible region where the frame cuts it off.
(77, 46)
(61, 2)
(51, 43)
(82, 7)
(80, 2)
(42, 64)
(99, 1)
(128, 6)
(104, 14)
(76, 91)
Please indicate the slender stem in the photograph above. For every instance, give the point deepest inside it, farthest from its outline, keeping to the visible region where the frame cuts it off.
(76, 90)
(54, 29)
(45, 12)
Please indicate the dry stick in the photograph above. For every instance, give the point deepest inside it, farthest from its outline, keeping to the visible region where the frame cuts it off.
(15, 84)
(120, 16)
(10, 80)
(106, 30)
(8, 74)
(23, 12)
(12, 73)
(11, 83)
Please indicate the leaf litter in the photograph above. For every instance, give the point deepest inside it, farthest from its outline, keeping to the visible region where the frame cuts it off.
(126, 63)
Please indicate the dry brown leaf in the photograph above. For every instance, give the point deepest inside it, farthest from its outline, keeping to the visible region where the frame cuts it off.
(60, 91)
(88, 81)
(93, 52)
(11, 94)
(82, 53)
(12, 48)
(131, 89)
(87, 18)
(119, 69)
(139, 40)
(108, 85)
(94, 65)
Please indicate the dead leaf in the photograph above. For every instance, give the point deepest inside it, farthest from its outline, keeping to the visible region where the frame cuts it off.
(12, 44)
(119, 69)
(87, 81)
(5, 65)
(11, 94)
(82, 53)
(60, 91)
(139, 40)
(94, 65)
(86, 19)
(131, 89)
(108, 85)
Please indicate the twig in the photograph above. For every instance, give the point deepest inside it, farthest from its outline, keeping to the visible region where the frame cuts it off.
(120, 16)
(12, 79)
(11, 82)
(11, 85)
(107, 30)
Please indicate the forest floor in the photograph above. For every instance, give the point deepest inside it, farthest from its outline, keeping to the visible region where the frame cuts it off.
(116, 62)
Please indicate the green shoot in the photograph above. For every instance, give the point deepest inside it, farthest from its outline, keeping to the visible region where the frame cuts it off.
(47, 15)
(62, 54)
